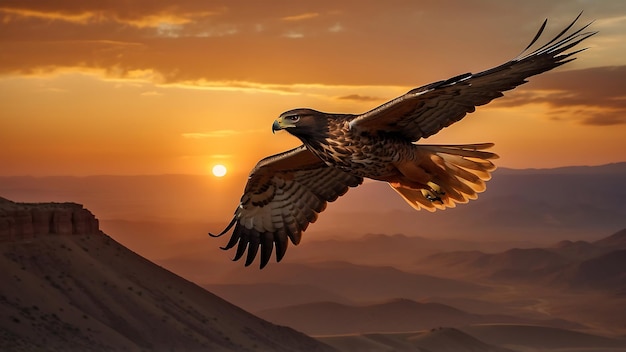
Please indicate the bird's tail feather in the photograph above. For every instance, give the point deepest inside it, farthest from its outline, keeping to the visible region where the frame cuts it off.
(457, 174)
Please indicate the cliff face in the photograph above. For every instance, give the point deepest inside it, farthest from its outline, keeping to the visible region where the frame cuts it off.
(25, 220)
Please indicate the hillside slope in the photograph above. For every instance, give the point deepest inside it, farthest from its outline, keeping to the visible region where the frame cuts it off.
(86, 292)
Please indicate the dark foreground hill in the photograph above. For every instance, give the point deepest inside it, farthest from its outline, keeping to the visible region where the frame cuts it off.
(66, 287)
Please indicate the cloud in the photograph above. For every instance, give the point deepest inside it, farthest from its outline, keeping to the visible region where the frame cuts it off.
(301, 17)
(293, 35)
(212, 134)
(84, 17)
(53, 90)
(217, 134)
(151, 94)
(221, 156)
(336, 28)
(357, 97)
(594, 96)
(240, 86)
(11, 14)
(192, 40)
(605, 118)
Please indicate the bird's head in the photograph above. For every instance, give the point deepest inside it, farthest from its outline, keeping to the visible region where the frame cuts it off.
(302, 123)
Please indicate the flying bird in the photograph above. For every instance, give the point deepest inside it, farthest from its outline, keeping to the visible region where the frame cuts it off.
(285, 192)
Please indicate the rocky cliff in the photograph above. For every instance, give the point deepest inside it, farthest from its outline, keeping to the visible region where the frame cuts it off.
(27, 220)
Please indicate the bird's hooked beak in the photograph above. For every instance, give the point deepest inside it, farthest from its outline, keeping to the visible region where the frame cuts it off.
(281, 123)
(276, 126)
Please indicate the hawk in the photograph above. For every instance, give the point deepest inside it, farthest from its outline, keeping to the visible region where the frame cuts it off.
(285, 192)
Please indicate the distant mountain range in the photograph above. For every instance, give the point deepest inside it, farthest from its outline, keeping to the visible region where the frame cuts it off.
(546, 204)
(508, 286)
(597, 265)
(398, 250)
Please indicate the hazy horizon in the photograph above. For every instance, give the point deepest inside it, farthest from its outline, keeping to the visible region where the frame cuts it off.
(209, 200)
(244, 173)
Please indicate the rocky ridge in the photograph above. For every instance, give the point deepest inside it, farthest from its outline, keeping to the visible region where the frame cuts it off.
(29, 220)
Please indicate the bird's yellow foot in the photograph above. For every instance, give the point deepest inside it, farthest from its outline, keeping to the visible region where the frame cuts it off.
(436, 189)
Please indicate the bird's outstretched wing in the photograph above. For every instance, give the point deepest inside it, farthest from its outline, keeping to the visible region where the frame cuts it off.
(284, 193)
(424, 111)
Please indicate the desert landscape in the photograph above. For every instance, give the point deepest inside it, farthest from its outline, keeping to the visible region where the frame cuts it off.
(129, 129)
(74, 285)
(70, 287)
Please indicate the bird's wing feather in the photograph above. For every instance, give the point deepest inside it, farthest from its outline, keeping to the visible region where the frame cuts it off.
(426, 110)
(284, 193)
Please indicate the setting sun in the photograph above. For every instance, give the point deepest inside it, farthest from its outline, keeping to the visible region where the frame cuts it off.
(219, 170)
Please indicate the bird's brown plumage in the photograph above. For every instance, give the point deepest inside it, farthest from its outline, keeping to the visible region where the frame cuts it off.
(287, 191)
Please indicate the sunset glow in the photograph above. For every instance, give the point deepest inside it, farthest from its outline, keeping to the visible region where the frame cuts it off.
(150, 88)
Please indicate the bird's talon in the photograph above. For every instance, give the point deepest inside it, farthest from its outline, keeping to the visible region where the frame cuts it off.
(431, 197)
(435, 188)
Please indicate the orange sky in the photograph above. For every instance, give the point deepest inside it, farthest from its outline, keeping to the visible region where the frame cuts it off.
(148, 87)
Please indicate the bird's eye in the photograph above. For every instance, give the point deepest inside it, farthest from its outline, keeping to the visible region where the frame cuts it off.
(293, 118)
